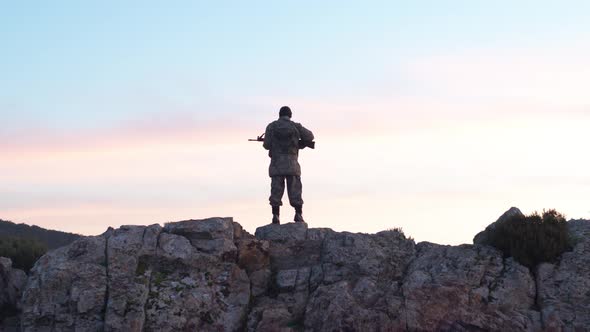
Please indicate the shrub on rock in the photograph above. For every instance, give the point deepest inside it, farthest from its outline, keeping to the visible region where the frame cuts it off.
(530, 239)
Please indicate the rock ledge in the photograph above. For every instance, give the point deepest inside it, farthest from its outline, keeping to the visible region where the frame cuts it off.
(211, 275)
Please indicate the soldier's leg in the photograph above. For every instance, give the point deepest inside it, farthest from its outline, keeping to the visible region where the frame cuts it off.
(294, 189)
(277, 188)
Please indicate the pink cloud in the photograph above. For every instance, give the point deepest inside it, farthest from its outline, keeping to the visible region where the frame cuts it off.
(555, 77)
(383, 162)
(149, 131)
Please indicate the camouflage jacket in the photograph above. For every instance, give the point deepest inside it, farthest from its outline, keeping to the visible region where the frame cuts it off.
(281, 138)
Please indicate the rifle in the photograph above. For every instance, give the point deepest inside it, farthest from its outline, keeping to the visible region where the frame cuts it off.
(302, 144)
(257, 139)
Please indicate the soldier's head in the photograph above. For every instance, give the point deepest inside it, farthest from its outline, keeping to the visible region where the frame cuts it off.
(285, 111)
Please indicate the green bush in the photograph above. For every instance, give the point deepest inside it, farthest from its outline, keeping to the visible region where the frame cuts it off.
(23, 252)
(531, 239)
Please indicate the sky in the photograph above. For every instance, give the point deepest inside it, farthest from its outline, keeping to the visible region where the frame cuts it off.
(432, 116)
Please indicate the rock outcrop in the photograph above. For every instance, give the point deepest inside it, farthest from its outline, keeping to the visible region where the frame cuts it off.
(211, 275)
(12, 281)
(483, 237)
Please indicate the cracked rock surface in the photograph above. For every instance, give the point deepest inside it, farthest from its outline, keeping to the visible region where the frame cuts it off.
(12, 281)
(211, 275)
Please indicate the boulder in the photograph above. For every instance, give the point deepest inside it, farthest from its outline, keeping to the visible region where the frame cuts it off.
(138, 278)
(213, 235)
(564, 287)
(12, 282)
(293, 231)
(67, 288)
(483, 236)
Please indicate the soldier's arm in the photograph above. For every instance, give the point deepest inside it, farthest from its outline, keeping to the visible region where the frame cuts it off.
(267, 138)
(306, 134)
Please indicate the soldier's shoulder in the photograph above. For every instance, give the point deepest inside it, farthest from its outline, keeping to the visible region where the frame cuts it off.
(298, 125)
(272, 124)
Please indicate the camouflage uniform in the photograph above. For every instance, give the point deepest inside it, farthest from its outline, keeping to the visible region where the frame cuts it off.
(282, 138)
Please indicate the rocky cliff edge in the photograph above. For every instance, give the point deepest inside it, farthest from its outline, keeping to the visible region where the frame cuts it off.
(211, 275)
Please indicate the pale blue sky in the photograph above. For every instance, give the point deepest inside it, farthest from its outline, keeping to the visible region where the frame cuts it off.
(67, 64)
(118, 112)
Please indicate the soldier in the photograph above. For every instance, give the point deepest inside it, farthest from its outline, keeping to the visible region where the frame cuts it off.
(283, 138)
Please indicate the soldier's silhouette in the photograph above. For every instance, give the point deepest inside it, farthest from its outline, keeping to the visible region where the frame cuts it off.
(284, 138)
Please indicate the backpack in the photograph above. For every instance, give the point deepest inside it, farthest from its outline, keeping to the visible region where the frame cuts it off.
(285, 138)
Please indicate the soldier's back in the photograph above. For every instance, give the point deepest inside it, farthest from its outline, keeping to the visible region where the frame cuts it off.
(284, 137)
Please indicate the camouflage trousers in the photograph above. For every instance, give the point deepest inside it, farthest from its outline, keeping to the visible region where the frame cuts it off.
(277, 188)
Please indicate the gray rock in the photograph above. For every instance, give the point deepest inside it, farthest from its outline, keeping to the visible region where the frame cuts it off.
(127, 248)
(67, 288)
(483, 236)
(286, 232)
(286, 280)
(253, 254)
(213, 235)
(564, 287)
(290, 280)
(270, 315)
(470, 285)
(259, 281)
(141, 278)
(334, 307)
(172, 246)
(211, 275)
(12, 282)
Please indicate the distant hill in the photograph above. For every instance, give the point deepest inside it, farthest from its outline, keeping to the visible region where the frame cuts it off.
(50, 238)
(24, 244)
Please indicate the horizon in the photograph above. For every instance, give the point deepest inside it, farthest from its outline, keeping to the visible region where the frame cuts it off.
(431, 117)
(409, 236)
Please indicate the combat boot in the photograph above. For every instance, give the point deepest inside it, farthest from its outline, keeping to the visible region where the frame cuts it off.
(299, 214)
(275, 215)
